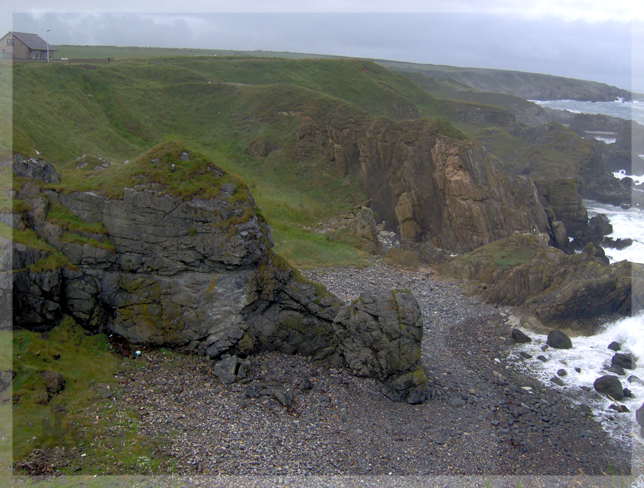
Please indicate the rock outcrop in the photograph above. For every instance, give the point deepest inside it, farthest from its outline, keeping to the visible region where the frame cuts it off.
(379, 336)
(569, 291)
(430, 187)
(160, 269)
(152, 267)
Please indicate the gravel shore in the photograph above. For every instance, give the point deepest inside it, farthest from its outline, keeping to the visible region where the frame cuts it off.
(484, 419)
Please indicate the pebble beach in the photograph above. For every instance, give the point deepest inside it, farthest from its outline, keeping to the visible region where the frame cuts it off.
(484, 418)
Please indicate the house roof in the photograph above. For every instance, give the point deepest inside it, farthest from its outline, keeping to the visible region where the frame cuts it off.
(32, 41)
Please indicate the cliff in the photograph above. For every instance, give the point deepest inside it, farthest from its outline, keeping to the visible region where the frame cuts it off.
(428, 183)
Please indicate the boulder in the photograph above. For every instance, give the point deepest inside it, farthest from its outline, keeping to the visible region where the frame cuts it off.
(379, 336)
(639, 415)
(615, 346)
(626, 360)
(519, 336)
(610, 386)
(54, 381)
(360, 231)
(34, 169)
(229, 369)
(558, 340)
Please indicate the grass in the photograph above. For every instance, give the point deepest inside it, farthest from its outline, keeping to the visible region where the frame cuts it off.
(84, 361)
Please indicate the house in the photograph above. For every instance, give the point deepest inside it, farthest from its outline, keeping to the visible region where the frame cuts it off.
(20, 45)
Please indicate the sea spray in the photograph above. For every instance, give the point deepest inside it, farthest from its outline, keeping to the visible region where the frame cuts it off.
(584, 363)
(627, 223)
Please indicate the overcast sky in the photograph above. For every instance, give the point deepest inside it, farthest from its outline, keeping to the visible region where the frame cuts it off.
(587, 39)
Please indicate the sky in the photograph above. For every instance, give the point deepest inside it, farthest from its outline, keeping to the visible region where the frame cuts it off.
(587, 39)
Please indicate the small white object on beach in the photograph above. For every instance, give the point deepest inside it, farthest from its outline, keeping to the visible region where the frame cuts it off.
(137, 353)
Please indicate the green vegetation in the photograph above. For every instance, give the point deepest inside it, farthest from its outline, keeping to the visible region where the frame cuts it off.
(103, 124)
(88, 368)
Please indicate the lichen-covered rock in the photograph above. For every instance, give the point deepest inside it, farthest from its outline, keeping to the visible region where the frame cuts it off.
(379, 336)
(34, 168)
(571, 291)
(171, 271)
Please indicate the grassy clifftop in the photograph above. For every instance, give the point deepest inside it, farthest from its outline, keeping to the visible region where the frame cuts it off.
(242, 113)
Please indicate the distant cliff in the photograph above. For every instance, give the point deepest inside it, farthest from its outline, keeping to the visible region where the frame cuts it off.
(531, 86)
(428, 186)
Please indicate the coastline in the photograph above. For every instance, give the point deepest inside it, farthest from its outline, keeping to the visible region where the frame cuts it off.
(484, 418)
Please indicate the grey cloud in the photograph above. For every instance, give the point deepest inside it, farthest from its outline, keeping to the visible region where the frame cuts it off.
(596, 51)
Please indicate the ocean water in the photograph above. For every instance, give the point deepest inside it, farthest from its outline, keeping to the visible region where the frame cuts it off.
(625, 110)
(590, 356)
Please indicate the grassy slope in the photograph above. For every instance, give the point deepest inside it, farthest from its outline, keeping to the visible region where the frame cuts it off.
(217, 106)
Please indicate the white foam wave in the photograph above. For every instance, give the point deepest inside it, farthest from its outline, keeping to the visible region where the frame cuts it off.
(584, 363)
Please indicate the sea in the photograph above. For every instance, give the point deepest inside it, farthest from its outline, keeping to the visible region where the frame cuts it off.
(590, 356)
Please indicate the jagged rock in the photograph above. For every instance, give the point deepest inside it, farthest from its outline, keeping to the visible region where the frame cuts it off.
(170, 271)
(560, 290)
(360, 231)
(35, 169)
(379, 335)
(626, 361)
(559, 340)
(428, 187)
(610, 386)
(54, 382)
(284, 397)
(562, 196)
(601, 225)
(229, 370)
(519, 336)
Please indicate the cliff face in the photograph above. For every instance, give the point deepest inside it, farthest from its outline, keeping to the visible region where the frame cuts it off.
(430, 187)
(164, 270)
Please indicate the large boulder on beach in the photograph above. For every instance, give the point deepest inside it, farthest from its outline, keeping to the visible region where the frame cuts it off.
(559, 340)
(610, 386)
(379, 336)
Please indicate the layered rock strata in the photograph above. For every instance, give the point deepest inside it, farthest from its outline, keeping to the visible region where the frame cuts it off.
(569, 291)
(164, 270)
(429, 187)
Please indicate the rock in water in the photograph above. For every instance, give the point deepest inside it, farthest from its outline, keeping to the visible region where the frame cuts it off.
(611, 386)
(639, 415)
(626, 361)
(559, 340)
(379, 336)
(519, 337)
(614, 346)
